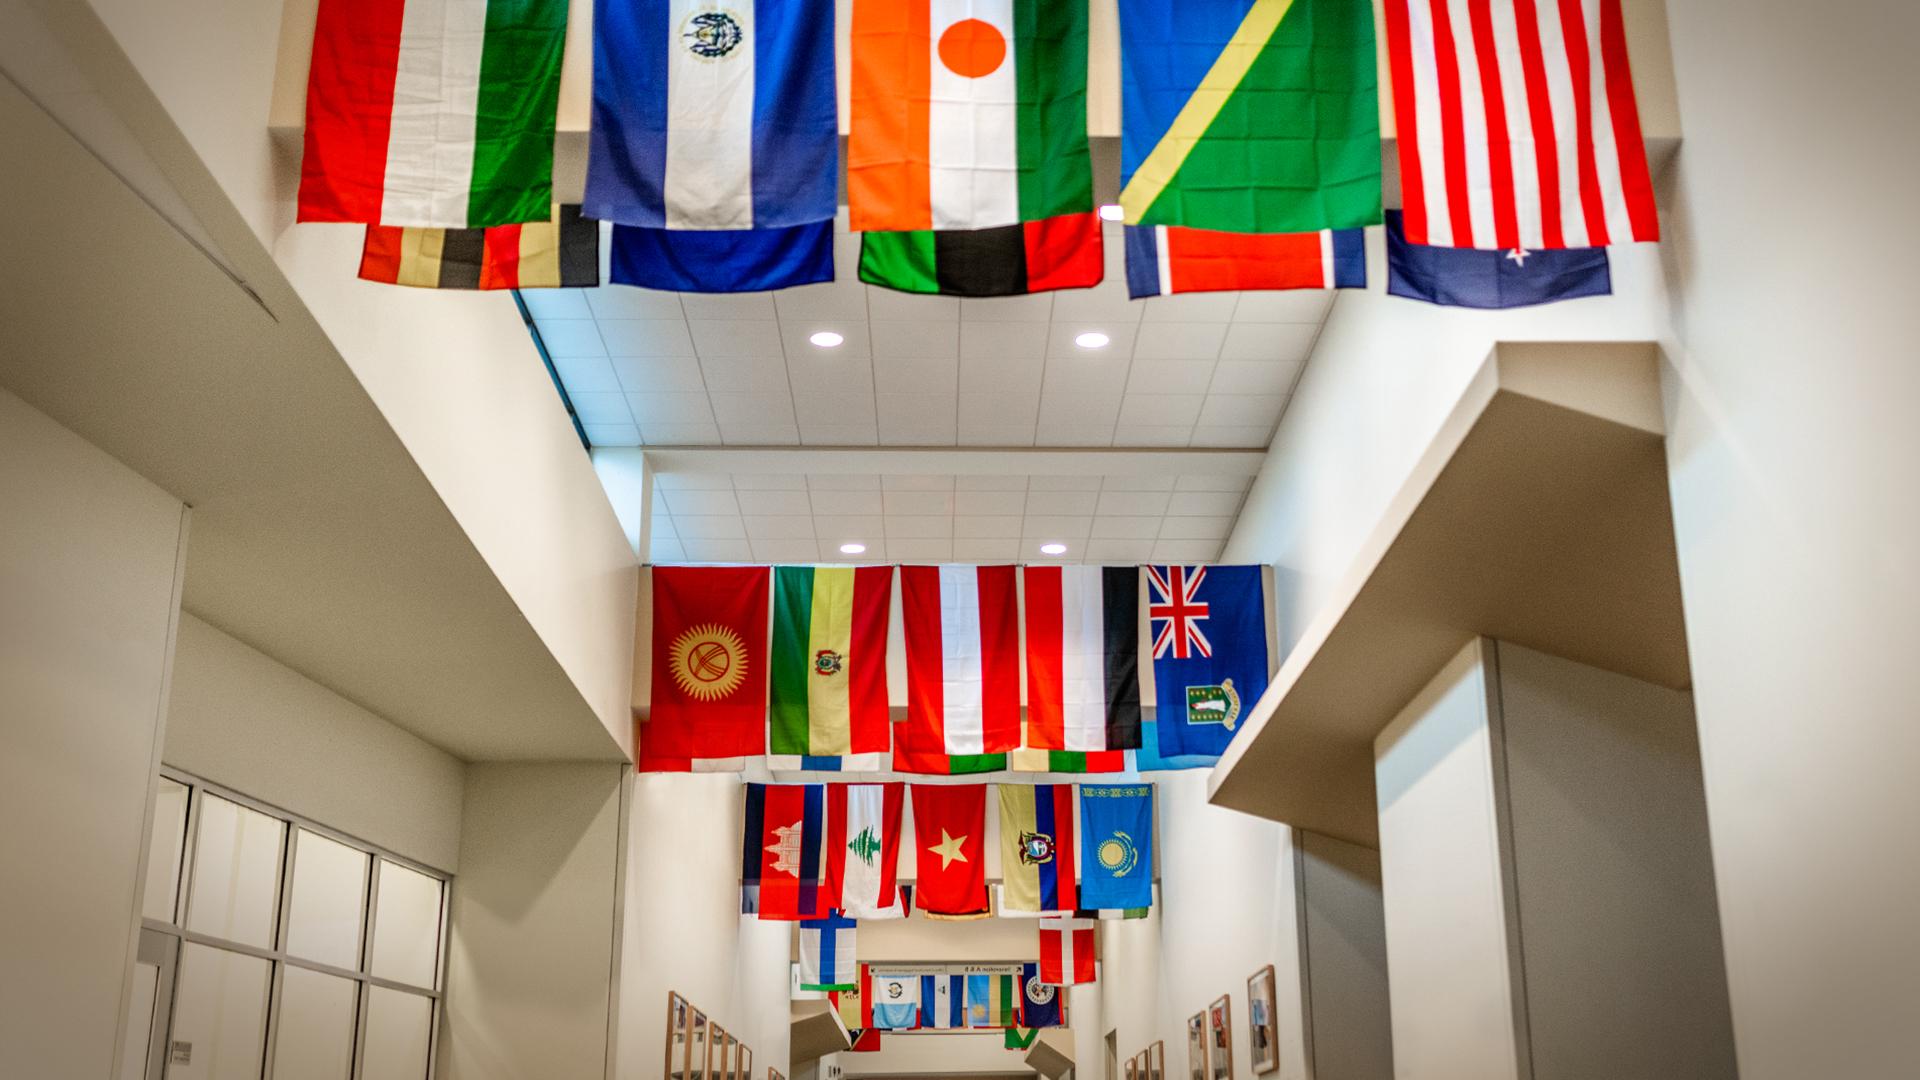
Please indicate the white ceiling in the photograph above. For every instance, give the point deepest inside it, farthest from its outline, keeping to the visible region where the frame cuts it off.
(666, 369)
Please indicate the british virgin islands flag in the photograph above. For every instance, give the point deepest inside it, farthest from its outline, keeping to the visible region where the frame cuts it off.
(1252, 116)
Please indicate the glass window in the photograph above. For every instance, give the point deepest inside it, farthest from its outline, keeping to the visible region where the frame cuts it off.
(133, 1054)
(406, 926)
(162, 892)
(219, 1015)
(313, 1037)
(399, 1030)
(329, 895)
(236, 873)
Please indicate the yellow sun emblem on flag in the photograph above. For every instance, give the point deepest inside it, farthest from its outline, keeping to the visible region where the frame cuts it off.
(708, 661)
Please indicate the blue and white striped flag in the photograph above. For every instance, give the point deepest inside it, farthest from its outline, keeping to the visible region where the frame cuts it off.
(827, 954)
(943, 1001)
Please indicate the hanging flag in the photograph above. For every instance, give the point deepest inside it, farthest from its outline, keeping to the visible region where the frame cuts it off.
(709, 661)
(1256, 116)
(1042, 1004)
(852, 1004)
(1517, 125)
(1028, 760)
(1083, 657)
(1019, 1040)
(830, 660)
(1116, 843)
(896, 1000)
(1167, 259)
(1066, 951)
(733, 260)
(963, 666)
(864, 1040)
(967, 115)
(713, 117)
(950, 831)
(1061, 252)
(990, 1000)
(561, 253)
(1149, 758)
(1037, 849)
(780, 851)
(863, 849)
(432, 115)
(827, 954)
(1209, 630)
(1467, 277)
(646, 760)
(943, 1001)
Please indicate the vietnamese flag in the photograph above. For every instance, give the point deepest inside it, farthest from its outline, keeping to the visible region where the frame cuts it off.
(950, 831)
(709, 662)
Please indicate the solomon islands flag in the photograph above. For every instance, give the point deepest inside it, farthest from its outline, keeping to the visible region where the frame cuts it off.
(1464, 277)
(1167, 259)
(1208, 625)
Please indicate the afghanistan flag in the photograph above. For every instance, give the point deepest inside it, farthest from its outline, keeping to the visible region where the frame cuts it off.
(430, 114)
(780, 852)
(1038, 854)
(1257, 116)
(561, 253)
(709, 662)
(967, 163)
(830, 660)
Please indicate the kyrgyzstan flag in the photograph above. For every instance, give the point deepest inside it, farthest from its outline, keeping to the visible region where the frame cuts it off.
(780, 868)
(950, 831)
(963, 668)
(709, 662)
(1066, 951)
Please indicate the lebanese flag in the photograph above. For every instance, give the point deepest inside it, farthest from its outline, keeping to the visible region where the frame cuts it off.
(963, 662)
(1066, 951)
(432, 113)
(709, 662)
(780, 852)
(1083, 657)
(1167, 259)
(950, 832)
(863, 849)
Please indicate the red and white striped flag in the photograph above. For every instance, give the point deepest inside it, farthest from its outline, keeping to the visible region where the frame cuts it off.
(1083, 657)
(1066, 951)
(963, 658)
(1517, 124)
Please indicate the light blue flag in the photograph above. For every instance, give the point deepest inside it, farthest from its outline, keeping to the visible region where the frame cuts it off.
(1116, 845)
(896, 1000)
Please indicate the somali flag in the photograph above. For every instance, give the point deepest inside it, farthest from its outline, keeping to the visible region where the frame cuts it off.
(713, 117)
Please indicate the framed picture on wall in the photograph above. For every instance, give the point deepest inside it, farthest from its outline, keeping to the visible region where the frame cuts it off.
(678, 1015)
(774, 1074)
(1220, 1039)
(720, 1058)
(1197, 1068)
(745, 1071)
(1143, 1066)
(696, 1060)
(1263, 1021)
(1133, 1069)
(1157, 1061)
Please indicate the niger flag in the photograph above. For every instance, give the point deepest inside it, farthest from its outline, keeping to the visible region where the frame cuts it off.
(709, 662)
(563, 252)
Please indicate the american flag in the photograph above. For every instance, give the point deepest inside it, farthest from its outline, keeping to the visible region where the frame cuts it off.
(1517, 124)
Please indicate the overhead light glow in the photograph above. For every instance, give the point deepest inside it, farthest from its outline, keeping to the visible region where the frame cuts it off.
(1092, 339)
(827, 339)
(1112, 212)
(1053, 549)
(853, 549)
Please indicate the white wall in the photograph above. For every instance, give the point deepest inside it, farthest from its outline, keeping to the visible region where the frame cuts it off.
(682, 927)
(240, 718)
(90, 558)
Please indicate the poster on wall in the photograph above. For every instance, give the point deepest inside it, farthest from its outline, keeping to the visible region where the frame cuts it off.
(1263, 1021)
(1197, 1047)
(1220, 1039)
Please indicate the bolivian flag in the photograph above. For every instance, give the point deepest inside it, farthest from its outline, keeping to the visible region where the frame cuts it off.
(560, 253)
(829, 665)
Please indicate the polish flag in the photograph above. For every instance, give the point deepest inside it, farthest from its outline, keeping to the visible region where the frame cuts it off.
(1066, 951)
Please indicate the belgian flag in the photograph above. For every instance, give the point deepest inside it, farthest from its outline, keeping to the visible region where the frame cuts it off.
(560, 253)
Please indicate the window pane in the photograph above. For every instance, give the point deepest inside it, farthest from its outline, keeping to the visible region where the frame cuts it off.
(133, 1054)
(406, 927)
(398, 1027)
(314, 1036)
(219, 1015)
(163, 851)
(236, 872)
(329, 896)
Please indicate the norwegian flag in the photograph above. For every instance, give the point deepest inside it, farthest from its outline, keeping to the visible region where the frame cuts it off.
(1066, 951)
(1175, 612)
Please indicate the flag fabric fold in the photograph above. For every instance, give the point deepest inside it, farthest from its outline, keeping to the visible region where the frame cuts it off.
(829, 660)
(723, 260)
(1038, 853)
(827, 954)
(1469, 277)
(950, 826)
(863, 849)
(709, 662)
(780, 873)
(1066, 951)
(962, 632)
(1167, 259)
(1083, 657)
(563, 252)
(1116, 836)
(1042, 1004)
(1209, 634)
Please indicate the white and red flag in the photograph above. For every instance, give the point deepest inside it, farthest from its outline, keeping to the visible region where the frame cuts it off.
(1066, 951)
(962, 628)
(1517, 124)
(1083, 657)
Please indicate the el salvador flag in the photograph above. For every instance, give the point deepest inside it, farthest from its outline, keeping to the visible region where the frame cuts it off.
(1209, 628)
(710, 117)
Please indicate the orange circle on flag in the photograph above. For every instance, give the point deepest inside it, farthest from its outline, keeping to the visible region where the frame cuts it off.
(972, 48)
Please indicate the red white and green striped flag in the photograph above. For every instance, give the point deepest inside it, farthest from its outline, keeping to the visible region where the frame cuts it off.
(432, 113)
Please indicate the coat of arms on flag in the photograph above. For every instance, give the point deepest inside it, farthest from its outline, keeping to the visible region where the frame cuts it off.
(1210, 663)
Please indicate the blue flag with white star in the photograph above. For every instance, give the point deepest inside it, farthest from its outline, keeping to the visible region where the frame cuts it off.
(1116, 845)
(1464, 277)
(1209, 629)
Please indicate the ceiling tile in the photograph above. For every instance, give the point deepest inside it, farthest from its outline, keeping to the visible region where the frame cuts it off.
(690, 481)
(666, 551)
(794, 335)
(769, 482)
(821, 433)
(1079, 501)
(787, 550)
(843, 482)
(917, 482)
(1001, 375)
(992, 340)
(918, 502)
(916, 419)
(1034, 307)
(1288, 306)
(728, 305)
(1179, 341)
(886, 304)
(612, 434)
(1254, 377)
(1233, 438)
(1190, 307)
(974, 526)
(624, 302)
(915, 375)
(1111, 552)
(701, 433)
(993, 550)
(735, 337)
(1077, 420)
(709, 527)
(1132, 502)
(1055, 527)
(1136, 483)
(681, 502)
(659, 373)
(745, 375)
(916, 340)
(1152, 435)
(778, 526)
(1269, 341)
(1108, 300)
(586, 375)
(755, 419)
(1170, 376)
(716, 550)
(1061, 335)
(773, 502)
(1087, 374)
(677, 407)
(1241, 410)
(1161, 410)
(601, 408)
(840, 528)
(1186, 551)
(991, 502)
(815, 408)
(1205, 482)
(560, 303)
(814, 373)
(837, 301)
(999, 419)
(921, 550)
(1194, 528)
(1126, 528)
(646, 337)
(919, 526)
(1205, 503)
(998, 434)
(845, 502)
(571, 337)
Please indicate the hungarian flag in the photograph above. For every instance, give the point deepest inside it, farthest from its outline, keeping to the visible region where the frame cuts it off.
(950, 832)
(709, 662)
(1066, 951)
(962, 630)
(1063, 252)
(1041, 1003)
(1038, 854)
(430, 114)
(780, 852)
(1083, 657)
(1257, 116)
(1167, 259)
(561, 253)
(863, 849)
(830, 660)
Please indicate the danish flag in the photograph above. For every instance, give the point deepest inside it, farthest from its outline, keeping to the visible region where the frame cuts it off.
(1175, 614)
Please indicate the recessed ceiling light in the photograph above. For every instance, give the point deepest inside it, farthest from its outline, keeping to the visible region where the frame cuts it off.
(1113, 212)
(853, 549)
(1053, 549)
(827, 339)
(1092, 339)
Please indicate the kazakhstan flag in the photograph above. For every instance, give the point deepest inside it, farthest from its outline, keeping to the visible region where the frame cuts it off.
(1249, 115)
